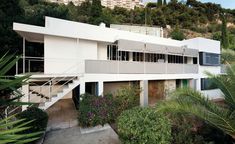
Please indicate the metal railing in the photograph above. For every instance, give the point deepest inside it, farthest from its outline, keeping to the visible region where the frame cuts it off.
(64, 78)
(29, 65)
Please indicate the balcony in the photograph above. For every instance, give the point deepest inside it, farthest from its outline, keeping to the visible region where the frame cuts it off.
(130, 67)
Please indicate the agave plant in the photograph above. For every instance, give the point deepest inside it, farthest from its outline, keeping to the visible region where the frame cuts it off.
(10, 131)
(190, 101)
(10, 128)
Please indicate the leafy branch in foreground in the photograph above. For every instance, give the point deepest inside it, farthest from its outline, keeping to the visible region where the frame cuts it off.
(190, 101)
(11, 128)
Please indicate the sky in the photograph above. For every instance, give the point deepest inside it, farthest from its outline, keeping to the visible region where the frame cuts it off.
(224, 3)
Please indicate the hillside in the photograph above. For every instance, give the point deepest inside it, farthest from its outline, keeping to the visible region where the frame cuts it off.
(192, 17)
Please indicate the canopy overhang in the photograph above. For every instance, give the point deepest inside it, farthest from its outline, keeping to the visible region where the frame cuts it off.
(137, 46)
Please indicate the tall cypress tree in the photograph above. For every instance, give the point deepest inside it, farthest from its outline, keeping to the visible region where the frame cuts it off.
(164, 3)
(159, 2)
(224, 33)
(96, 12)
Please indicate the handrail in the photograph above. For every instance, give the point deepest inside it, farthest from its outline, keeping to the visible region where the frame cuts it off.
(54, 78)
(64, 84)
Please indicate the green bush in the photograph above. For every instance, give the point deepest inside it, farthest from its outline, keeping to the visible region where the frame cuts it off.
(184, 130)
(143, 126)
(39, 117)
(177, 34)
(126, 98)
(96, 110)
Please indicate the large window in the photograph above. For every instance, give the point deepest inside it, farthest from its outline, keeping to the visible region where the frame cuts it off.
(138, 56)
(207, 84)
(114, 54)
(175, 59)
(150, 57)
(209, 59)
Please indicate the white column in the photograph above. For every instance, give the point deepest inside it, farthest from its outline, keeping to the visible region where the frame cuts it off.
(25, 97)
(82, 86)
(130, 56)
(100, 88)
(23, 55)
(144, 93)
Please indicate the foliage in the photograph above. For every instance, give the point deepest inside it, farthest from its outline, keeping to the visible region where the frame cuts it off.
(10, 128)
(227, 56)
(9, 93)
(10, 131)
(192, 102)
(184, 130)
(224, 33)
(94, 110)
(126, 98)
(38, 117)
(177, 34)
(214, 135)
(143, 126)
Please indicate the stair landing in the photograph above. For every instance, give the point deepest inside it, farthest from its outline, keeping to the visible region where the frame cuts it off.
(62, 114)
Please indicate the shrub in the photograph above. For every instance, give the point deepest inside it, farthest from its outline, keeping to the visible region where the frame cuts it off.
(39, 117)
(143, 126)
(94, 110)
(126, 98)
(184, 130)
(177, 34)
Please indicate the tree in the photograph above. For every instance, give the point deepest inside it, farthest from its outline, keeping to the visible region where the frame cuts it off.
(164, 2)
(177, 34)
(188, 101)
(159, 2)
(10, 11)
(95, 12)
(224, 33)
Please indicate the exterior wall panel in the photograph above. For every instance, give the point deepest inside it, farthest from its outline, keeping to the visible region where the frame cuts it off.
(127, 67)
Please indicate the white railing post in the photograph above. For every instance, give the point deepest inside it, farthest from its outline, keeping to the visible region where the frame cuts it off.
(50, 83)
(17, 67)
(23, 55)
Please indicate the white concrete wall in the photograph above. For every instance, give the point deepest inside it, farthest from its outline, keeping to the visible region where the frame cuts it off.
(102, 51)
(213, 94)
(203, 45)
(66, 55)
(60, 55)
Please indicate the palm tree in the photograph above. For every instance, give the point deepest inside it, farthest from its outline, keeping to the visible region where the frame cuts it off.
(190, 101)
(10, 128)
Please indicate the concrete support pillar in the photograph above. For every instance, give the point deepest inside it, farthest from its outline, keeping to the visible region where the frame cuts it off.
(25, 98)
(130, 56)
(82, 87)
(23, 55)
(144, 93)
(100, 88)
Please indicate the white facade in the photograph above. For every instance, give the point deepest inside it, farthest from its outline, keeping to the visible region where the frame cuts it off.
(72, 48)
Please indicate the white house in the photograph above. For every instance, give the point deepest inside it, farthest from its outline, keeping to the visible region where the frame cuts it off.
(99, 60)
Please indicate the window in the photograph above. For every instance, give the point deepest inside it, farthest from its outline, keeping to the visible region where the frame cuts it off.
(209, 59)
(194, 60)
(137, 56)
(175, 59)
(114, 54)
(207, 84)
(123, 55)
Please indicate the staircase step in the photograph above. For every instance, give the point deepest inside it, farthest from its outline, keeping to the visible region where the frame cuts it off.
(41, 104)
(54, 96)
